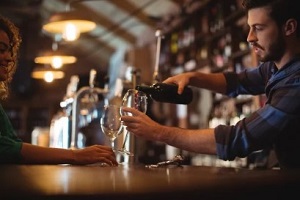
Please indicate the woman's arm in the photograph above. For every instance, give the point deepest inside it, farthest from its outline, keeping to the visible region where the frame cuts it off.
(33, 154)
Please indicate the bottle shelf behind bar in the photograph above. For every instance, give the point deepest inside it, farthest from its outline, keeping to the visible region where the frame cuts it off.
(211, 39)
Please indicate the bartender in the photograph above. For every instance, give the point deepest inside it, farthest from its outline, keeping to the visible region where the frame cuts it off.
(274, 34)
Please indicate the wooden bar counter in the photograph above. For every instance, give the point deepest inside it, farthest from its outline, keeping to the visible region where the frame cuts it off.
(138, 182)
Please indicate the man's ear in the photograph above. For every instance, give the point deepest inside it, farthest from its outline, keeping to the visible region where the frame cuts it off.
(290, 27)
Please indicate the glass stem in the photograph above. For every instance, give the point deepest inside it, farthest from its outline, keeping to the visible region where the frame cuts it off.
(112, 144)
(124, 143)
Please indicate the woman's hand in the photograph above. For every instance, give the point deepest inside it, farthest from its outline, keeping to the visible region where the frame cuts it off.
(95, 154)
(34, 154)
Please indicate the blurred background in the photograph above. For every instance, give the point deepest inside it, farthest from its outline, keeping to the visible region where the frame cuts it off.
(125, 42)
(121, 25)
(124, 28)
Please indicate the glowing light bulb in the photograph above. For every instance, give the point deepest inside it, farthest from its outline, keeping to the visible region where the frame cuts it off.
(71, 32)
(48, 77)
(56, 62)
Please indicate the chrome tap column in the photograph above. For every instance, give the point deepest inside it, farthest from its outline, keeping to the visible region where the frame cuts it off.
(92, 96)
(60, 128)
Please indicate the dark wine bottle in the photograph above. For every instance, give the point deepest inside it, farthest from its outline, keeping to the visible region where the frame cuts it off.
(167, 93)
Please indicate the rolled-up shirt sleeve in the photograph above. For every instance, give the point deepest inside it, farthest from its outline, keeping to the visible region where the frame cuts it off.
(253, 133)
(250, 81)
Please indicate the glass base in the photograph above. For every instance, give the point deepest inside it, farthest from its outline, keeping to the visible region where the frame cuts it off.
(125, 152)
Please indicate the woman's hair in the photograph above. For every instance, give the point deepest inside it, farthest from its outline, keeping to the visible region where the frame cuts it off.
(280, 10)
(15, 40)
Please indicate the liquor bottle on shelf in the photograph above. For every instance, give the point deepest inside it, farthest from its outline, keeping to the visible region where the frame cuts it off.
(167, 93)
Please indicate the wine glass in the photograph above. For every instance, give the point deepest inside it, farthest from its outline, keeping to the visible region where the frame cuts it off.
(135, 99)
(110, 123)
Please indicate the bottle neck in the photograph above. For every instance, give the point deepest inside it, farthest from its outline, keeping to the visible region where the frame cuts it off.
(165, 87)
(146, 89)
(167, 93)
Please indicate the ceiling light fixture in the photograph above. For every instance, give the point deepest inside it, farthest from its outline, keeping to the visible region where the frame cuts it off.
(70, 24)
(47, 75)
(55, 58)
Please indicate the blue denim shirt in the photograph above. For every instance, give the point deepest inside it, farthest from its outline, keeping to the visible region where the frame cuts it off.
(276, 124)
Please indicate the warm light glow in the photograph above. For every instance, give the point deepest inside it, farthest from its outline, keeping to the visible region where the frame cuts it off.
(47, 75)
(56, 61)
(60, 26)
(69, 24)
(70, 33)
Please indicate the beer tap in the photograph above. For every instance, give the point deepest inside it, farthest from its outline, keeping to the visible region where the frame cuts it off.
(156, 76)
(90, 90)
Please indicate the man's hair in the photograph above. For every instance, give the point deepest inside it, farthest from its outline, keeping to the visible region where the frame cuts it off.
(280, 10)
(15, 40)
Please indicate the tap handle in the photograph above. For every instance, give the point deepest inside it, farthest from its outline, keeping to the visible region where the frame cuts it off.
(72, 86)
(159, 36)
(93, 74)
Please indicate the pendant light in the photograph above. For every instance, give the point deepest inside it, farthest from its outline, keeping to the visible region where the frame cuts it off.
(55, 58)
(51, 59)
(69, 24)
(49, 75)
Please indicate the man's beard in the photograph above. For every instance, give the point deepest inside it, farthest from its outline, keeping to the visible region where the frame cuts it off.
(275, 51)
